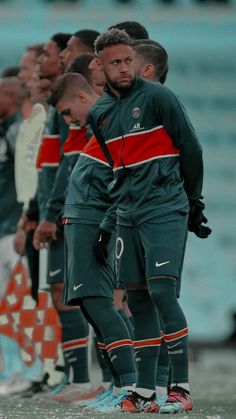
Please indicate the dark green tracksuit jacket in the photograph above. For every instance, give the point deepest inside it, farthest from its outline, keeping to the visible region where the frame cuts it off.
(157, 156)
(87, 198)
(72, 147)
(50, 157)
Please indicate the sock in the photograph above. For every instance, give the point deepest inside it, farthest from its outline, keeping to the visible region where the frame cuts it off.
(175, 330)
(127, 321)
(185, 386)
(75, 344)
(146, 337)
(161, 391)
(115, 378)
(163, 369)
(144, 393)
(115, 337)
(106, 372)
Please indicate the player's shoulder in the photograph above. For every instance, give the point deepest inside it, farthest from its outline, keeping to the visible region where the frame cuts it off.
(153, 87)
(159, 93)
(100, 105)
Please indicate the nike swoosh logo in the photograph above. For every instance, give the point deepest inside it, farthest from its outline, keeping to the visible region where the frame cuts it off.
(53, 273)
(77, 286)
(176, 344)
(100, 238)
(161, 264)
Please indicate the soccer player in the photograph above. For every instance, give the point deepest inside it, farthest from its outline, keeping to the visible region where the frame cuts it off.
(86, 282)
(151, 60)
(151, 63)
(134, 29)
(74, 326)
(82, 42)
(73, 145)
(158, 169)
(12, 95)
(25, 228)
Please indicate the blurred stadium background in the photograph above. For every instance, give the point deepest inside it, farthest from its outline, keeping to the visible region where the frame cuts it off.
(200, 37)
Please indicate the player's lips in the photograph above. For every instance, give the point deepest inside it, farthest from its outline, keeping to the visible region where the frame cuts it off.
(124, 81)
(124, 78)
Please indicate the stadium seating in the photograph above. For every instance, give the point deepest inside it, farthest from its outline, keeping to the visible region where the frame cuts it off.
(202, 73)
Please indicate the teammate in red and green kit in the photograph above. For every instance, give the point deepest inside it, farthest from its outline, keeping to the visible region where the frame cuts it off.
(158, 174)
(81, 41)
(74, 326)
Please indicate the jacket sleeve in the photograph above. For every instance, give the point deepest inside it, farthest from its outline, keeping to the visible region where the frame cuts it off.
(109, 221)
(56, 200)
(175, 120)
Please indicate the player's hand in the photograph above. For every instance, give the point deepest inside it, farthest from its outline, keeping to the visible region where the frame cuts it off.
(22, 221)
(45, 232)
(20, 241)
(26, 224)
(197, 219)
(100, 246)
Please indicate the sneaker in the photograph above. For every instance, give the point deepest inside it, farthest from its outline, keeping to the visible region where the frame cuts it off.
(70, 392)
(161, 400)
(178, 401)
(100, 400)
(87, 396)
(14, 385)
(114, 404)
(37, 388)
(54, 390)
(134, 403)
(97, 399)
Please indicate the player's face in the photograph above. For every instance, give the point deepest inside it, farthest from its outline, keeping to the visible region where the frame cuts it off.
(70, 52)
(37, 94)
(49, 61)
(97, 72)
(74, 111)
(118, 64)
(27, 67)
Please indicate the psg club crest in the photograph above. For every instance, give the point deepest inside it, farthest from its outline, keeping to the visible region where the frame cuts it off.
(136, 112)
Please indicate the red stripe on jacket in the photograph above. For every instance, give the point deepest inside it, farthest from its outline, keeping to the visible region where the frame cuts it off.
(140, 147)
(49, 152)
(76, 141)
(39, 160)
(94, 151)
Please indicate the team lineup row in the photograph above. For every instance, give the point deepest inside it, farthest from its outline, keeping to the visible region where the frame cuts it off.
(119, 181)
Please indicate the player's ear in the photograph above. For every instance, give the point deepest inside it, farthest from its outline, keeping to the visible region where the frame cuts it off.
(98, 60)
(148, 71)
(80, 94)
